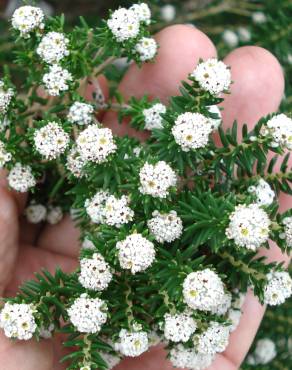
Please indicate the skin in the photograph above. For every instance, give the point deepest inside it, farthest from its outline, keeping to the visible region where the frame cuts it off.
(257, 90)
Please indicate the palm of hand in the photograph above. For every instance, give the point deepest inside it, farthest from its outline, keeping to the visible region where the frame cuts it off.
(257, 90)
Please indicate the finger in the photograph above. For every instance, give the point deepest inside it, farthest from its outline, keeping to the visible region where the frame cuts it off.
(180, 49)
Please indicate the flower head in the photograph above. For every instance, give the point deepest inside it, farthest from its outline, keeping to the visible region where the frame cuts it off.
(4, 155)
(124, 24)
(57, 80)
(132, 344)
(213, 340)
(153, 117)
(264, 193)
(75, 163)
(80, 113)
(35, 213)
(20, 178)
(53, 47)
(179, 327)
(146, 48)
(27, 19)
(287, 235)
(54, 215)
(142, 12)
(278, 288)
(6, 95)
(189, 358)
(166, 227)
(279, 128)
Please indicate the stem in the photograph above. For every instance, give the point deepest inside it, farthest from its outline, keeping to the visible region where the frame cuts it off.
(129, 311)
(167, 302)
(56, 188)
(98, 70)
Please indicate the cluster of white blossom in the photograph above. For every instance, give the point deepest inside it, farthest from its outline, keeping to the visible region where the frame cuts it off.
(17, 321)
(287, 235)
(146, 48)
(259, 17)
(108, 209)
(35, 213)
(157, 179)
(279, 128)
(132, 344)
(179, 327)
(27, 19)
(57, 80)
(6, 95)
(189, 358)
(135, 253)
(95, 273)
(213, 76)
(249, 226)
(51, 140)
(167, 12)
(203, 290)
(264, 193)
(153, 117)
(191, 131)
(46, 331)
(54, 215)
(96, 144)
(87, 244)
(232, 38)
(53, 47)
(264, 352)
(88, 314)
(224, 306)
(166, 227)
(278, 288)
(110, 359)
(75, 163)
(80, 113)
(4, 155)
(217, 120)
(213, 340)
(21, 178)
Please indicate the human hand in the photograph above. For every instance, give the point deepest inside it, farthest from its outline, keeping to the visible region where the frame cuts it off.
(257, 90)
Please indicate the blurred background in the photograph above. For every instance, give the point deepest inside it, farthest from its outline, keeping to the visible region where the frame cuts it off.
(229, 23)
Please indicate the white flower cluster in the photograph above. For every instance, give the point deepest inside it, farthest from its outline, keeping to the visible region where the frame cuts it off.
(188, 358)
(20, 178)
(96, 144)
(132, 344)
(80, 113)
(264, 193)
(191, 131)
(278, 288)
(46, 331)
(4, 155)
(153, 117)
(87, 244)
(259, 17)
(213, 76)
(157, 179)
(27, 19)
(213, 340)
(142, 12)
(146, 48)
(94, 273)
(110, 360)
(35, 213)
(215, 122)
(107, 209)
(88, 314)
(75, 163)
(224, 306)
(57, 80)
(166, 227)
(53, 47)
(17, 321)
(135, 253)
(203, 290)
(167, 12)
(279, 128)
(287, 235)
(6, 95)
(249, 226)
(264, 353)
(179, 327)
(234, 316)
(54, 215)
(51, 140)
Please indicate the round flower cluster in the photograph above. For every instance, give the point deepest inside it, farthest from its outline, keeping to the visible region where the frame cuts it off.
(4, 155)
(213, 340)
(54, 215)
(96, 144)
(230, 38)
(17, 321)
(94, 273)
(179, 327)
(191, 131)
(278, 288)
(224, 306)
(279, 128)
(35, 213)
(75, 163)
(215, 121)
(27, 19)
(153, 117)
(51, 140)
(168, 12)
(264, 193)
(106, 208)
(249, 226)
(56, 80)
(46, 331)
(143, 12)
(53, 47)
(87, 244)
(203, 290)
(5, 97)
(157, 179)
(132, 344)
(234, 316)
(110, 359)
(20, 178)
(166, 227)
(188, 358)
(287, 235)
(135, 253)
(213, 76)
(80, 113)
(146, 48)
(88, 314)
(259, 17)
(264, 353)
